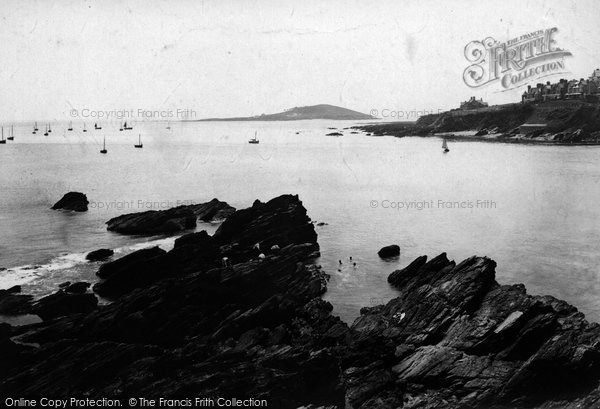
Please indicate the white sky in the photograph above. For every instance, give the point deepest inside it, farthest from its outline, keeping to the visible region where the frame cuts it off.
(233, 58)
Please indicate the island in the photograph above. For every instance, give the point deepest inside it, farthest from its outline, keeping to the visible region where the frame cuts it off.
(322, 111)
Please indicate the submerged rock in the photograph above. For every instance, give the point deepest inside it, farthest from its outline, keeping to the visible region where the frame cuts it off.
(172, 220)
(74, 201)
(99, 255)
(392, 250)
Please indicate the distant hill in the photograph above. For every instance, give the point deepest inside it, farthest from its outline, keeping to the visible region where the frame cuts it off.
(322, 111)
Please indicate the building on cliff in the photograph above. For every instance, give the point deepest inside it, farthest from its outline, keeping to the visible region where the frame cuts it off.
(473, 103)
(586, 89)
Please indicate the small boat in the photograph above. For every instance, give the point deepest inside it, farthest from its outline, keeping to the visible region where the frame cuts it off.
(46, 133)
(11, 136)
(49, 128)
(35, 128)
(168, 126)
(3, 141)
(84, 129)
(254, 140)
(97, 127)
(127, 128)
(103, 150)
(445, 146)
(121, 127)
(139, 145)
(70, 126)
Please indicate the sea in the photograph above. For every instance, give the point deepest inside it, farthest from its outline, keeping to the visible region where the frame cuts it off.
(534, 209)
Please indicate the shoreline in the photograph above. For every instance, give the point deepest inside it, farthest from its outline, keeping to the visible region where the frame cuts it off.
(257, 312)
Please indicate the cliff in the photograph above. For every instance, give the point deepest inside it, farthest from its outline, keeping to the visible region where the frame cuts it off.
(563, 122)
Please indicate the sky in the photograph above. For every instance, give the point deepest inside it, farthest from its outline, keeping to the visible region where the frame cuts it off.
(238, 58)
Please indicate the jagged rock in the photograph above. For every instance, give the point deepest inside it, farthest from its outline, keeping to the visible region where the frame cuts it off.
(134, 270)
(197, 239)
(13, 303)
(455, 338)
(173, 220)
(255, 328)
(79, 287)
(99, 255)
(63, 303)
(392, 250)
(74, 201)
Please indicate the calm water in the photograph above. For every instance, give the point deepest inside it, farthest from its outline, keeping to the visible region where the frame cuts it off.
(541, 224)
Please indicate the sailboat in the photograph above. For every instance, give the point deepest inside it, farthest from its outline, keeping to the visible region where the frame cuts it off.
(121, 127)
(84, 130)
(254, 140)
(12, 133)
(445, 146)
(70, 126)
(49, 128)
(46, 133)
(2, 140)
(127, 128)
(168, 126)
(97, 127)
(139, 145)
(35, 128)
(104, 146)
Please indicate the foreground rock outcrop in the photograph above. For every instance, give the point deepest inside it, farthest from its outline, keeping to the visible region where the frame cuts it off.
(254, 327)
(455, 338)
(240, 314)
(73, 201)
(173, 220)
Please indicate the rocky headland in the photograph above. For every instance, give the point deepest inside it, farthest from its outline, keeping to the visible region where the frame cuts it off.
(240, 314)
(554, 122)
(176, 219)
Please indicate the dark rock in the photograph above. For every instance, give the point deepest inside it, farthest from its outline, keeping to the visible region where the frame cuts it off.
(73, 201)
(196, 239)
(335, 134)
(482, 132)
(13, 303)
(134, 270)
(392, 250)
(172, 220)
(195, 327)
(62, 303)
(79, 287)
(99, 255)
(455, 338)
